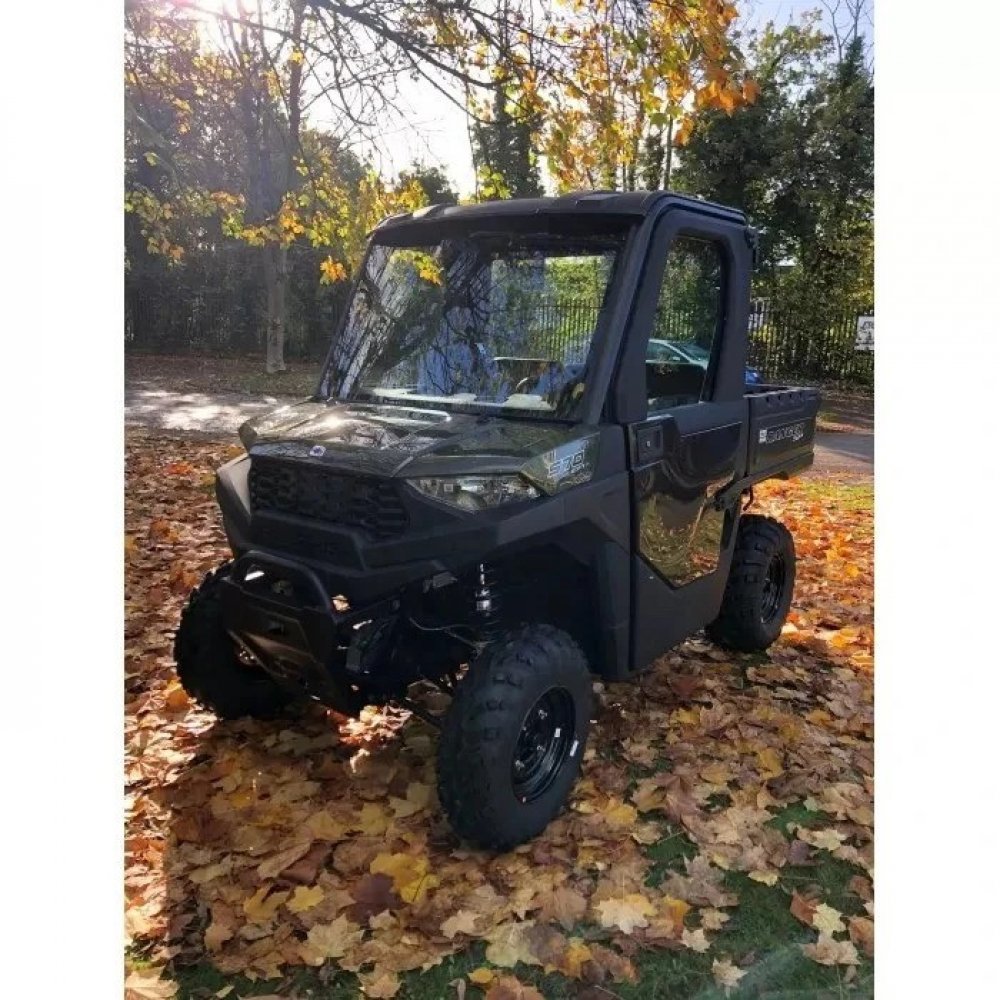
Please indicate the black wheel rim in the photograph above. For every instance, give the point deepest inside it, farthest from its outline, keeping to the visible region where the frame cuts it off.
(543, 744)
(774, 589)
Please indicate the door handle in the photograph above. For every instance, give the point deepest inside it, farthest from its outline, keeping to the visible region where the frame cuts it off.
(649, 442)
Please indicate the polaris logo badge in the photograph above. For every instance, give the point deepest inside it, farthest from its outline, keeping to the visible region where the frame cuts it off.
(317, 451)
(790, 432)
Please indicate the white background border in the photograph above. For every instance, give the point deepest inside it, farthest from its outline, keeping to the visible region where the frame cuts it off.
(937, 558)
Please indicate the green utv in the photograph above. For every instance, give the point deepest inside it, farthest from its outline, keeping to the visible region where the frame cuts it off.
(499, 490)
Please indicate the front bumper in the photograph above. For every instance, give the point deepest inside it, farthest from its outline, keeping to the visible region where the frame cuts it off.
(279, 611)
(297, 626)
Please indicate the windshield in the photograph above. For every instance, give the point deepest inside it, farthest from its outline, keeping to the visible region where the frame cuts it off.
(487, 322)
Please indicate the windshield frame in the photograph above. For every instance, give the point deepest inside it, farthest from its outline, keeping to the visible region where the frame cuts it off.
(522, 230)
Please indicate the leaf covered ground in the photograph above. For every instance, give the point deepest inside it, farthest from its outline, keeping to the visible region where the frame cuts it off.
(719, 841)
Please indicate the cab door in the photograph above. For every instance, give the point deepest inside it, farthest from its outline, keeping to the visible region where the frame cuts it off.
(680, 394)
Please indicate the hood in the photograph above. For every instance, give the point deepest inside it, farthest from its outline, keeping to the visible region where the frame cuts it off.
(390, 440)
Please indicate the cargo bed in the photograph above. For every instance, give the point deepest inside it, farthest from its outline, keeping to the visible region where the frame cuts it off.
(782, 430)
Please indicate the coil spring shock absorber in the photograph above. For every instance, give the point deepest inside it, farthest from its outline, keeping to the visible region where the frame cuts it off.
(487, 599)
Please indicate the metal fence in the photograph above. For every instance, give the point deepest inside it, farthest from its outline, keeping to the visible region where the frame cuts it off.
(784, 345)
(219, 321)
(787, 346)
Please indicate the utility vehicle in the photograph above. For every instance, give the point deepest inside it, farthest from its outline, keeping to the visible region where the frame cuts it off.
(494, 491)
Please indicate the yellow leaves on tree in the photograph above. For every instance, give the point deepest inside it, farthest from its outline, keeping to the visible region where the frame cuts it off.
(331, 270)
(629, 81)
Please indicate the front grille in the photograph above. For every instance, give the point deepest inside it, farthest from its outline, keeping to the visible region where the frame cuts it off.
(371, 505)
(311, 543)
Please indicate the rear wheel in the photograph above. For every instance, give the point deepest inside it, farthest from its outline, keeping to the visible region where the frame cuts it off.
(514, 736)
(212, 669)
(759, 589)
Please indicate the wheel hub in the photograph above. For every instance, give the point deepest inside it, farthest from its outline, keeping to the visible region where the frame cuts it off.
(774, 588)
(543, 744)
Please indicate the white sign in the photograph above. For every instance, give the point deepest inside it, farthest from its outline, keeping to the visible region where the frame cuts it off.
(864, 340)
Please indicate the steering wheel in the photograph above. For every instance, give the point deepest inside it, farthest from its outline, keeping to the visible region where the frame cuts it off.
(555, 372)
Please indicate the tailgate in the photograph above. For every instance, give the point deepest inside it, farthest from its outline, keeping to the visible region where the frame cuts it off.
(782, 429)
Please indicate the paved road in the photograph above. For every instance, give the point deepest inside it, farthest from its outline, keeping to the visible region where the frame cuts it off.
(222, 413)
(845, 452)
(206, 413)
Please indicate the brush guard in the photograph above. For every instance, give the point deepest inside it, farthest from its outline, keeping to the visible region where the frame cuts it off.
(279, 611)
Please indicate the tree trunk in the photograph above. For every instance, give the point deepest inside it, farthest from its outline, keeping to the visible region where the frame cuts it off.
(276, 282)
(276, 256)
(668, 168)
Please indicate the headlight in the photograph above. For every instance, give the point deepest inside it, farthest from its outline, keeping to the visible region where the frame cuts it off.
(476, 492)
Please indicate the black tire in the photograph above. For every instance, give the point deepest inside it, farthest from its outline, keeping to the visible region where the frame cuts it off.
(759, 589)
(515, 694)
(209, 668)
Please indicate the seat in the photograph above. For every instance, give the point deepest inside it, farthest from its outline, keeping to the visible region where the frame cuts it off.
(670, 384)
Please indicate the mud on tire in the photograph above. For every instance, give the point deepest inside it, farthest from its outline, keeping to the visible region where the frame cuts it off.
(759, 588)
(513, 738)
(209, 667)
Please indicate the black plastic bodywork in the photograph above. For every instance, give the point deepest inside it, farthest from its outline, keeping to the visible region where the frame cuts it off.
(636, 552)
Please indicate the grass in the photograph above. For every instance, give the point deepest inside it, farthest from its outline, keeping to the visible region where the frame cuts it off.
(762, 936)
(852, 497)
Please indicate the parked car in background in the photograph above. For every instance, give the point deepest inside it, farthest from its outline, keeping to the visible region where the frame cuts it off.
(683, 352)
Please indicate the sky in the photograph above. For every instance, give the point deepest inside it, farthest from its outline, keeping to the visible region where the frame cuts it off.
(436, 131)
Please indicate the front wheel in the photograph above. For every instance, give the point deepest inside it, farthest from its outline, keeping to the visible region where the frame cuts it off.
(513, 739)
(759, 588)
(212, 669)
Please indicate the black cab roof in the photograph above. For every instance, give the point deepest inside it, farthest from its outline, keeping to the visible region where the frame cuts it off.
(637, 204)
